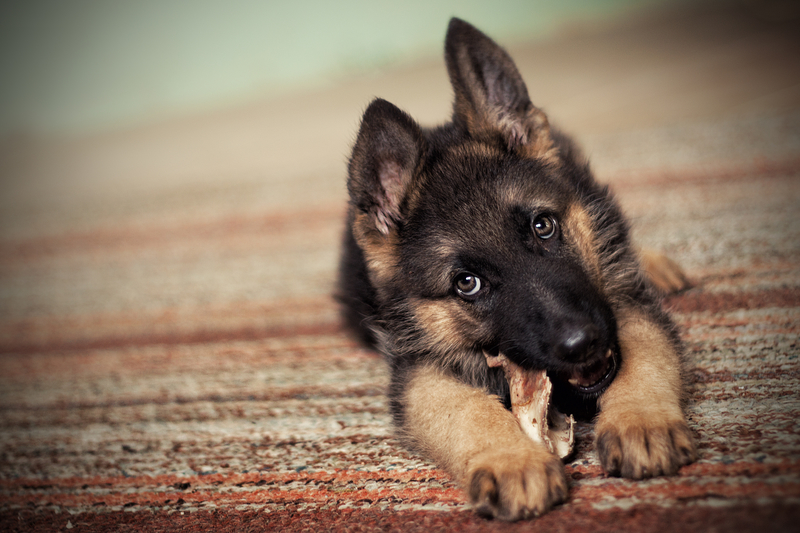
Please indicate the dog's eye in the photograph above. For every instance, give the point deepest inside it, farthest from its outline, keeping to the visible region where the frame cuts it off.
(544, 226)
(468, 286)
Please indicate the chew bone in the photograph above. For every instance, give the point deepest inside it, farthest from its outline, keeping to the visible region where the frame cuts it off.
(530, 404)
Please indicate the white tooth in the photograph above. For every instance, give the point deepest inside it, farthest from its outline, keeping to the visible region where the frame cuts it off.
(573, 382)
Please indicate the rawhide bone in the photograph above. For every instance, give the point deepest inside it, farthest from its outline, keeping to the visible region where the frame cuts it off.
(530, 404)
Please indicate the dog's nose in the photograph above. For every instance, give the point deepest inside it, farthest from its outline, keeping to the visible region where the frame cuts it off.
(576, 341)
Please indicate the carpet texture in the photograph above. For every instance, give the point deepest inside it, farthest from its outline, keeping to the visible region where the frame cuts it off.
(191, 373)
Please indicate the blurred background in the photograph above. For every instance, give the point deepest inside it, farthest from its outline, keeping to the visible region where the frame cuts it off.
(91, 65)
(86, 83)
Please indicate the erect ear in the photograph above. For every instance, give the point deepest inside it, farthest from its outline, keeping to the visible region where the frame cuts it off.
(491, 99)
(385, 158)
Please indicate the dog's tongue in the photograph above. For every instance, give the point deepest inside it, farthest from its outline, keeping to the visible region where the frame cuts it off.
(530, 403)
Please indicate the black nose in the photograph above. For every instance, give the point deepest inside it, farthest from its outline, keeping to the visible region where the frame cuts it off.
(575, 342)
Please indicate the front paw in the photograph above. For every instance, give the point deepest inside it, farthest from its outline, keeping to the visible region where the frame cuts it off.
(516, 484)
(665, 274)
(643, 445)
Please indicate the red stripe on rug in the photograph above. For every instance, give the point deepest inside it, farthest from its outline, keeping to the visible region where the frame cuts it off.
(668, 489)
(185, 233)
(246, 321)
(749, 469)
(717, 302)
(757, 171)
(318, 496)
(253, 478)
(161, 360)
(747, 517)
(250, 333)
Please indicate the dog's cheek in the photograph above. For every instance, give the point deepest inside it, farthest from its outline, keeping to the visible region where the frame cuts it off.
(380, 251)
(580, 234)
(447, 324)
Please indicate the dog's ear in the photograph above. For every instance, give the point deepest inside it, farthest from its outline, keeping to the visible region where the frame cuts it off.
(491, 99)
(385, 157)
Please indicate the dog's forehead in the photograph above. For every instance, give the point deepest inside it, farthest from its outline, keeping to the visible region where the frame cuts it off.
(477, 214)
(487, 186)
(477, 206)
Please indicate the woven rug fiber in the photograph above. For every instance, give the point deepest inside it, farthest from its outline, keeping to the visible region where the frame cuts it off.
(171, 358)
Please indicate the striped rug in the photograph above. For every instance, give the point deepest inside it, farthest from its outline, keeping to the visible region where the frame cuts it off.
(192, 374)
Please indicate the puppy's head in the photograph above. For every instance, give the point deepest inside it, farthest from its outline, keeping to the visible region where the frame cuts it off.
(486, 234)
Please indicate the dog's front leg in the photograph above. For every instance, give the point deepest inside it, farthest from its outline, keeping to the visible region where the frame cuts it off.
(477, 441)
(641, 430)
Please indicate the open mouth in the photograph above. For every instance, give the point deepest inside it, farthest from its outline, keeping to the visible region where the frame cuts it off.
(593, 378)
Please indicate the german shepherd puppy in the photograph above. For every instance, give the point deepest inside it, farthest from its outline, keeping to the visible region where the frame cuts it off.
(489, 235)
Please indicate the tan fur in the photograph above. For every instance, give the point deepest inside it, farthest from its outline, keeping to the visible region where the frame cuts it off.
(530, 136)
(444, 321)
(379, 249)
(578, 229)
(641, 431)
(664, 273)
(475, 149)
(478, 442)
(540, 145)
(449, 335)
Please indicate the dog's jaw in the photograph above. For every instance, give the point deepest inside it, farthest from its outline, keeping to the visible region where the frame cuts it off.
(594, 378)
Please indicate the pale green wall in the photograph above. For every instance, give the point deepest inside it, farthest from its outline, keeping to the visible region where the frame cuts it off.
(71, 66)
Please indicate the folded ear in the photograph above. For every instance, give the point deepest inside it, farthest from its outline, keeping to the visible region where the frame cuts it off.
(385, 158)
(491, 99)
